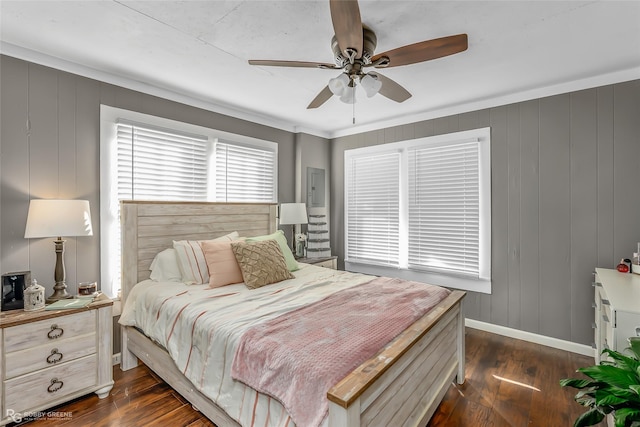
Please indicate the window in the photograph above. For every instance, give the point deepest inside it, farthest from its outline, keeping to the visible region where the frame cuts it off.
(373, 209)
(421, 210)
(148, 158)
(156, 164)
(244, 173)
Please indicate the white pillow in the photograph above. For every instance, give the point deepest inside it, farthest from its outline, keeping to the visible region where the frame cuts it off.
(191, 260)
(164, 267)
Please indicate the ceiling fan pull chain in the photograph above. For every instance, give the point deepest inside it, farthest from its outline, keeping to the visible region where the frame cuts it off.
(353, 111)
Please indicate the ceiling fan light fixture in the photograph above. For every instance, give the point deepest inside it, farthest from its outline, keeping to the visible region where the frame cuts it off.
(349, 95)
(371, 84)
(339, 84)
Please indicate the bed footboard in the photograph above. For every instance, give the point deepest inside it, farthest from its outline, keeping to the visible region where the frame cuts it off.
(404, 384)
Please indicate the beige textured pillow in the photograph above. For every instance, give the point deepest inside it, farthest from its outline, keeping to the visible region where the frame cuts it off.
(222, 264)
(261, 263)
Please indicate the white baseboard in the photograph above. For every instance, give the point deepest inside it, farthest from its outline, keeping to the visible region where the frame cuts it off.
(115, 359)
(531, 337)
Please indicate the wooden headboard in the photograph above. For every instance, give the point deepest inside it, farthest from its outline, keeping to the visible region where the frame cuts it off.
(150, 227)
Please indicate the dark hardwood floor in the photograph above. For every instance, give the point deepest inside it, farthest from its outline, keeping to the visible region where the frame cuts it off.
(508, 383)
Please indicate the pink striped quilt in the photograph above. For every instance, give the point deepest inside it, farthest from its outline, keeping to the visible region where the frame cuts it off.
(298, 356)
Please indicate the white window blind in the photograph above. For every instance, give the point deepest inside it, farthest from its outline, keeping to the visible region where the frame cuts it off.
(373, 209)
(154, 164)
(244, 173)
(421, 210)
(444, 207)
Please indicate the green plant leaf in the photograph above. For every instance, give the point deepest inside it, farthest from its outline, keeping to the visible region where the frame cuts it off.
(612, 375)
(622, 361)
(635, 388)
(604, 398)
(577, 383)
(622, 415)
(627, 394)
(586, 401)
(591, 391)
(635, 346)
(589, 418)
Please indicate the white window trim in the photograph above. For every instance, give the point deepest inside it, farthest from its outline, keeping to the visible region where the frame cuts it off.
(108, 195)
(481, 284)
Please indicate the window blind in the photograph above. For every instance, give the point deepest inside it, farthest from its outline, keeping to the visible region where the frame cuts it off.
(244, 173)
(444, 217)
(373, 209)
(154, 164)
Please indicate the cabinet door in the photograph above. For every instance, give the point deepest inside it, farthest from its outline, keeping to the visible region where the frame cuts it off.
(627, 325)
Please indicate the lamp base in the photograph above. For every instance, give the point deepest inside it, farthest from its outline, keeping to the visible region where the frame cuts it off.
(59, 292)
(60, 288)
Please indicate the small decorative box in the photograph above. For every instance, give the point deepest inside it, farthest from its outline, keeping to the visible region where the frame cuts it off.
(34, 297)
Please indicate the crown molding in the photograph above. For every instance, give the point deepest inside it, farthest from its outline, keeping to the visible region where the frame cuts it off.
(128, 83)
(277, 123)
(496, 101)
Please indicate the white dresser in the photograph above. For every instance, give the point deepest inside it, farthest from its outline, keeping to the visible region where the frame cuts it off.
(50, 357)
(617, 309)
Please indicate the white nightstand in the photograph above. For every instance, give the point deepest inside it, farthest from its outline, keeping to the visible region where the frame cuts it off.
(51, 357)
(328, 262)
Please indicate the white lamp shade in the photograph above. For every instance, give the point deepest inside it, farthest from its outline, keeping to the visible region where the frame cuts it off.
(349, 95)
(371, 84)
(293, 213)
(57, 218)
(339, 84)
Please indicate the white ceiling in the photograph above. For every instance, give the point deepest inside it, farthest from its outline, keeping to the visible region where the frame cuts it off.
(197, 51)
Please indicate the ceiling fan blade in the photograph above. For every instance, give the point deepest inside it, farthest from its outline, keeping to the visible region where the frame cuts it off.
(424, 51)
(391, 89)
(301, 64)
(322, 97)
(347, 25)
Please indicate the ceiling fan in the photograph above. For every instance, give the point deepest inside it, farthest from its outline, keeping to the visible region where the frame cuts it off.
(353, 46)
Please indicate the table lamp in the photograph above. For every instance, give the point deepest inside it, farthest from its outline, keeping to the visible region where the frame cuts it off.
(57, 218)
(292, 214)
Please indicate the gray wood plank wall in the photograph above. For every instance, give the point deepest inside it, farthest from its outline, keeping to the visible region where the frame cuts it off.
(563, 180)
(565, 199)
(50, 148)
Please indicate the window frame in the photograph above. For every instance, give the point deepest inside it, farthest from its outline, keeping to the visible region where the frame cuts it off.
(480, 284)
(109, 203)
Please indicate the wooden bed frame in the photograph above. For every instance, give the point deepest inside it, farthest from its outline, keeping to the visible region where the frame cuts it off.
(401, 386)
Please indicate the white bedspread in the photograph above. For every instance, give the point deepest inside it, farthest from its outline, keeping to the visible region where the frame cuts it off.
(201, 329)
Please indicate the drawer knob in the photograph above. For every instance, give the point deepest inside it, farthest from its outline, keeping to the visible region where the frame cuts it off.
(54, 357)
(55, 332)
(638, 331)
(55, 385)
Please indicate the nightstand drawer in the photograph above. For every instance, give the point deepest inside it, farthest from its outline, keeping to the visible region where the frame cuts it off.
(328, 264)
(39, 388)
(49, 331)
(51, 354)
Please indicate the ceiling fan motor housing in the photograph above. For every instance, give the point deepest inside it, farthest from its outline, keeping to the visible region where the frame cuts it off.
(369, 42)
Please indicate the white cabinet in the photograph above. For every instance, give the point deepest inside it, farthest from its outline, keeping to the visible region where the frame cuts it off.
(617, 310)
(51, 357)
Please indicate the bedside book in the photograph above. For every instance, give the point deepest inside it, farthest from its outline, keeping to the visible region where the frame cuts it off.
(69, 303)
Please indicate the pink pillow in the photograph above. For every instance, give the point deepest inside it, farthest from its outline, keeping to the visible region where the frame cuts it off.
(223, 267)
